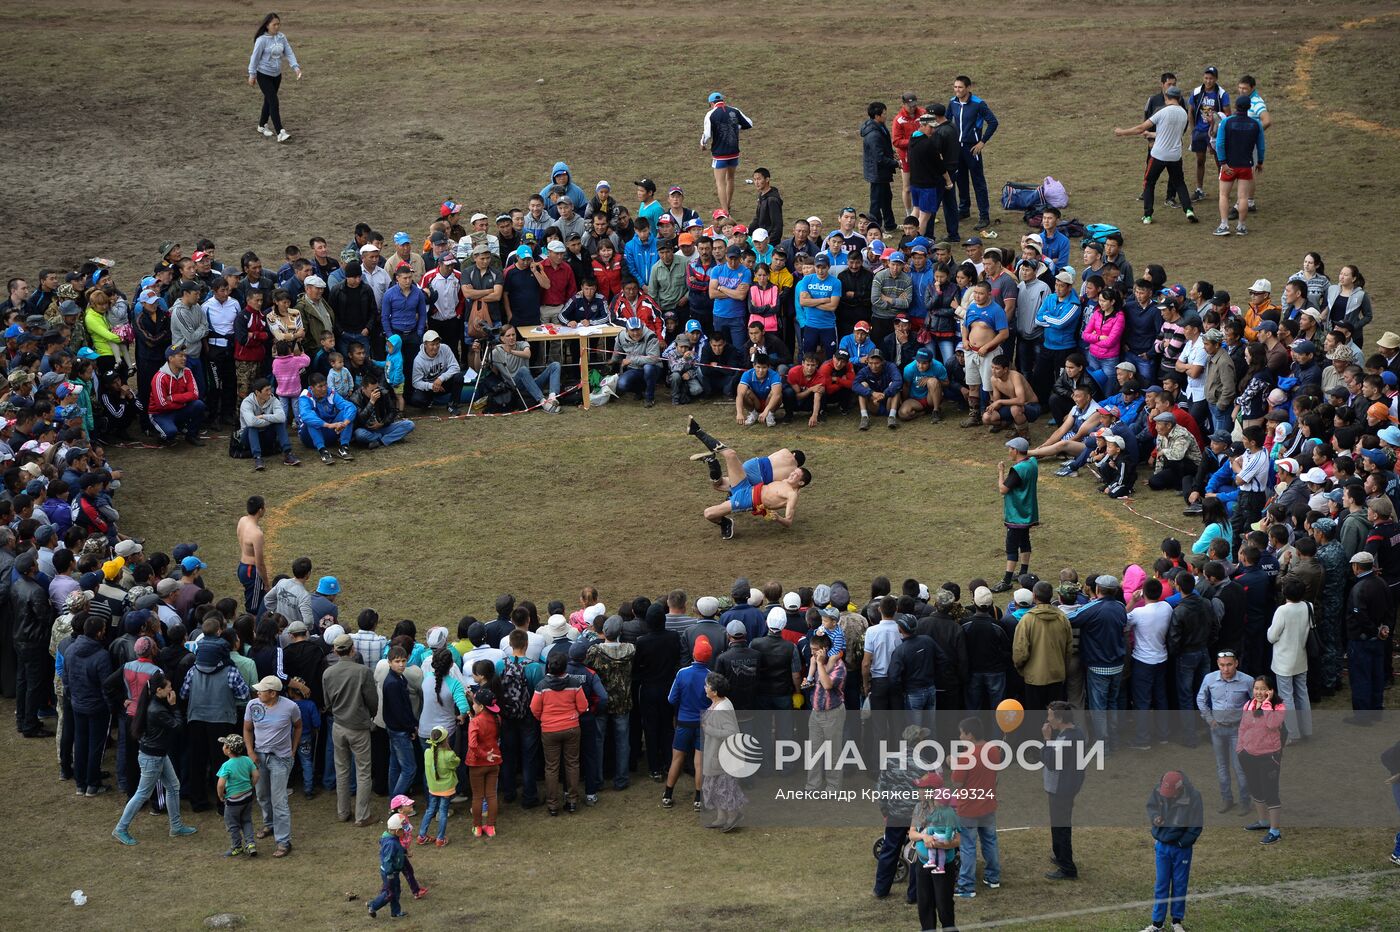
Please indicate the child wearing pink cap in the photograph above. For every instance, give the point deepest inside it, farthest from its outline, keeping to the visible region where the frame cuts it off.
(402, 806)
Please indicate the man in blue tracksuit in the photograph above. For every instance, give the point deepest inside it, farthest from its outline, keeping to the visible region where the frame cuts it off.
(877, 388)
(1059, 315)
(975, 124)
(325, 418)
(1174, 811)
(1239, 146)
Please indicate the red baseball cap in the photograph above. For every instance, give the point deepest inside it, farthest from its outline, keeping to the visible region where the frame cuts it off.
(862, 325)
(1170, 787)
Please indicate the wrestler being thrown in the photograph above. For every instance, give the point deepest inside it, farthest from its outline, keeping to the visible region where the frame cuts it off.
(750, 483)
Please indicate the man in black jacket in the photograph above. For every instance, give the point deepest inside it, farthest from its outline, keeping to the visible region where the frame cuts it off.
(721, 364)
(950, 679)
(1063, 779)
(739, 665)
(1228, 593)
(857, 281)
(378, 421)
(354, 306)
(1192, 629)
(1369, 615)
(33, 622)
(768, 215)
(913, 672)
(878, 165)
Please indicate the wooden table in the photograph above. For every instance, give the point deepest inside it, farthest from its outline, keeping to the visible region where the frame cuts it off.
(538, 335)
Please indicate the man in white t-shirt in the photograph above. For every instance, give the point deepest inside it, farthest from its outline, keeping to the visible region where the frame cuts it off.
(1148, 624)
(1192, 364)
(1168, 125)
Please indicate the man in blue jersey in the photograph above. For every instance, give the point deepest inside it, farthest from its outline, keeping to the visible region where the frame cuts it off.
(729, 289)
(1239, 146)
(818, 295)
(975, 124)
(925, 380)
(1208, 103)
(721, 136)
(1259, 111)
(758, 394)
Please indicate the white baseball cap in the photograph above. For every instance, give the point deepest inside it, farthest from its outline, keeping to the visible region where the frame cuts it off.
(476, 217)
(431, 336)
(1262, 284)
(760, 235)
(368, 248)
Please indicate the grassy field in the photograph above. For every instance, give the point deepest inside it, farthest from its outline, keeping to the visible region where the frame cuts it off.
(131, 123)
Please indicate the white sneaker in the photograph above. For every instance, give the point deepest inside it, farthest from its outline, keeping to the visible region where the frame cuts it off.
(283, 136)
(770, 420)
(553, 399)
(264, 130)
(752, 419)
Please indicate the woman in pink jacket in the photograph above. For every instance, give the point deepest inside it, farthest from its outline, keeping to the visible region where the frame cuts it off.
(1259, 749)
(1103, 335)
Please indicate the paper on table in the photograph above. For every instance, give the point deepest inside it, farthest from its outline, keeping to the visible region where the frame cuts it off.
(589, 331)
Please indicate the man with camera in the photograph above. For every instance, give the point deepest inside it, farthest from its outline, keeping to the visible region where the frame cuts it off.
(378, 421)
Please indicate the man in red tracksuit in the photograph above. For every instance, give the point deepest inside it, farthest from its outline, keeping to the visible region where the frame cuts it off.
(175, 404)
(905, 122)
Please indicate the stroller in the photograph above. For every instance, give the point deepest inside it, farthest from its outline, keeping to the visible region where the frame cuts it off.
(901, 867)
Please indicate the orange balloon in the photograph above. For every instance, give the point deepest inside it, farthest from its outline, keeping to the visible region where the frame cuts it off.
(1010, 714)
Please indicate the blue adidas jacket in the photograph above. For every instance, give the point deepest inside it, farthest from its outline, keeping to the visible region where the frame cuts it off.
(973, 120)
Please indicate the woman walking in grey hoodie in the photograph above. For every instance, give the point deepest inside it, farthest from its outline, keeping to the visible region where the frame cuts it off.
(270, 47)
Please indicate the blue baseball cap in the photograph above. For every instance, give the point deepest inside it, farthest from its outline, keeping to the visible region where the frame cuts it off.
(634, 323)
(693, 326)
(877, 246)
(148, 281)
(183, 550)
(919, 241)
(402, 239)
(87, 352)
(190, 564)
(716, 97)
(897, 256)
(328, 585)
(524, 252)
(924, 354)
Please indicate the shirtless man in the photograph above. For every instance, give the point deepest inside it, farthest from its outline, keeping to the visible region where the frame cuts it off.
(1013, 399)
(762, 498)
(252, 561)
(779, 463)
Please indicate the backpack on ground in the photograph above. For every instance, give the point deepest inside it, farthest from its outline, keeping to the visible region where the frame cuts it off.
(1098, 232)
(1054, 193)
(1072, 228)
(1016, 195)
(515, 691)
(236, 447)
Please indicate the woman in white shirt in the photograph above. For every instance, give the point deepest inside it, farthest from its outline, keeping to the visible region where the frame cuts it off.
(1148, 627)
(1289, 635)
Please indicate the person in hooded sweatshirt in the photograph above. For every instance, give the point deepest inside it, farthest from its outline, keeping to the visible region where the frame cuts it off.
(212, 691)
(590, 739)
(559, 175)
(1176, 816)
